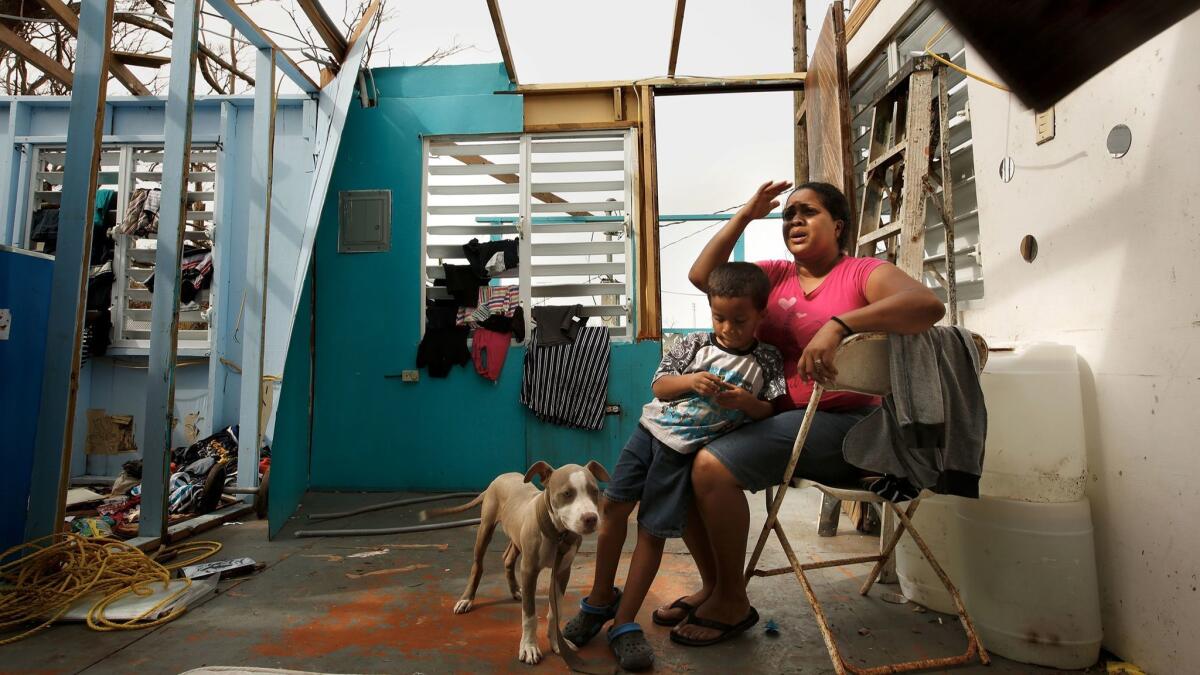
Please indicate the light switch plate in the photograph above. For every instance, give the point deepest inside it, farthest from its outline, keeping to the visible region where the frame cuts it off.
(5, 323)
(1044, 121)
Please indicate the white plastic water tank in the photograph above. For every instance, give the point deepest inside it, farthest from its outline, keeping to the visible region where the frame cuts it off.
(1035, 445)
(1029, 579)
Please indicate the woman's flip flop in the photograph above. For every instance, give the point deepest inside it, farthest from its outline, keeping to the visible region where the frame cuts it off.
(727, 630)
(678, 604)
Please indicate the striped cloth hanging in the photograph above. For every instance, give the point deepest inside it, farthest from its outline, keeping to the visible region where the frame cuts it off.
(567, 384)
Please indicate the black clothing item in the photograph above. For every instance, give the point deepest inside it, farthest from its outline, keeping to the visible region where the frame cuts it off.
(463, 283)
(443, 348)
(440, 313)
(557, 324)
(514, 324)
(45, 228)
(478, 254)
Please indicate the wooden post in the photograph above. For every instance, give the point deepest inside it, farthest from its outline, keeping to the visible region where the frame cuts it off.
(800, 65)
(68, 293)
(250, 418)
(164, 307)
(649, 312)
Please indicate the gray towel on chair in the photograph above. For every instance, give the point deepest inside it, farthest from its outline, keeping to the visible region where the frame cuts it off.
(931, 428)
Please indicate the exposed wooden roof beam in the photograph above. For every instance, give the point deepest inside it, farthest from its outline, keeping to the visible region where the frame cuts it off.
(502, 38)
(326, 28)
(143, 60)
(33, 55)
(512, 179)
(679, 5)
(363, 22)
(71, 22)
(667, 86)
(255, 35)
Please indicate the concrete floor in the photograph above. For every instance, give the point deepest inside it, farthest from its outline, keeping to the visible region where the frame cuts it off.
(316, 608)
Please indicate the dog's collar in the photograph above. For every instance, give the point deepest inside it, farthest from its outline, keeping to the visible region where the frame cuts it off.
(564, 539)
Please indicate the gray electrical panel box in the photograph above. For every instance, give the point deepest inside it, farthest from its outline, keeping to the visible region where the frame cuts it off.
(364, 221)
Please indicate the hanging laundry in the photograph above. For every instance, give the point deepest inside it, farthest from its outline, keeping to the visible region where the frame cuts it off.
(489, 350)
(567, 384)
(195, 274)
(462, 282)
(141, 215)
(442, 314)
(443, 348)
(557, 324)
(514, 324)
(491, 300)
(482, 256)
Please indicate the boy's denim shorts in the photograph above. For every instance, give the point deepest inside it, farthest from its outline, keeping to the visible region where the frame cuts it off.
(660, 478)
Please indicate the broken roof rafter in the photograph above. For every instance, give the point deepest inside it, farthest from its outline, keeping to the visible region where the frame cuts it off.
(71, 22)
(502, 38)
(326, 28)
(675, 36)
(257, 37)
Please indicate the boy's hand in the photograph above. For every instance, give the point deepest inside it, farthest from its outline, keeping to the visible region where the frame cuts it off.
(707, 384)
(736, 398)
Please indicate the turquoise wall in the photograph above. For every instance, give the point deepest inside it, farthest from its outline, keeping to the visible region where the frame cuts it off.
(377, 433)
(290, 452)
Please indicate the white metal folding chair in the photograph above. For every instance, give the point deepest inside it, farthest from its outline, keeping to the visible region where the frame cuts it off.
(862, 364)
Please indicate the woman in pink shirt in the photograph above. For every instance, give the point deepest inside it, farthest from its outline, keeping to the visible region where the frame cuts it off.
(819, 295)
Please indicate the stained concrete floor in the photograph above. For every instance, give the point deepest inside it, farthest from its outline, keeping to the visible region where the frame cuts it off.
(317, 608)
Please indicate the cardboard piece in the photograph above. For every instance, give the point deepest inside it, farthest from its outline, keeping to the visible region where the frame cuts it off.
(109, 434)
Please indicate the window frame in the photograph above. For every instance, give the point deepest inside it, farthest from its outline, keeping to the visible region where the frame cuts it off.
(526, 227)
(126, 181)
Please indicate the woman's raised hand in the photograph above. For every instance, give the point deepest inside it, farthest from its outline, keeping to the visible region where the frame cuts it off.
(765, 199)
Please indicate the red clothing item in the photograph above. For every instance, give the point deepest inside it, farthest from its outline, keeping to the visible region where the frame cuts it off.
(490, 349)
(794, 317)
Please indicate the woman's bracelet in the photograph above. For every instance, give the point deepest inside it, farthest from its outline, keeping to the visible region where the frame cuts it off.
(843, 324)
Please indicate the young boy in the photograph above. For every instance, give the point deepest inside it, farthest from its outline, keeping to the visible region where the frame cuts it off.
(708, 385)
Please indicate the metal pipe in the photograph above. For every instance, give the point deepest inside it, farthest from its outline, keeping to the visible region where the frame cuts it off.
(388, 505)
(387, 530)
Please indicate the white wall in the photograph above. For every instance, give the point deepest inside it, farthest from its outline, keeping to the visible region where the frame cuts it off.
(1116, 276)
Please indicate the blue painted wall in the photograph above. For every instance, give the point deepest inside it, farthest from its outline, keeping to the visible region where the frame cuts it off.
(377, 433)
(25, 291)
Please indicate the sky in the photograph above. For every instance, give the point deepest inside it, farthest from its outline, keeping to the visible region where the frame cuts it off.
(713, 150)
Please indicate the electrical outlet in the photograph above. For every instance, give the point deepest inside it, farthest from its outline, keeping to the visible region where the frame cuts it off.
(410, 376)
(612, 409)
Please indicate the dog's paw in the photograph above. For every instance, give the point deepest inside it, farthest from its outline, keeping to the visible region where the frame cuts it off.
(462, 606)
(516, 594)
(529, 653)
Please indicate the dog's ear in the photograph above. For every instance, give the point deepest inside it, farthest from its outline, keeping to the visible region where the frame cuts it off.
(541, 470)
(597, 469)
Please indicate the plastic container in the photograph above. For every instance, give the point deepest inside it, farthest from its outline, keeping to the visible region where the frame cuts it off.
(1035, 445)
(937, 521)
(1030, 581)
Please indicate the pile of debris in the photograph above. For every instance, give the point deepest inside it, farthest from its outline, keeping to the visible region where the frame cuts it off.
(200, 474)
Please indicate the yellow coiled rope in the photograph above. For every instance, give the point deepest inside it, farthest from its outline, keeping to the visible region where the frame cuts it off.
(55, 572)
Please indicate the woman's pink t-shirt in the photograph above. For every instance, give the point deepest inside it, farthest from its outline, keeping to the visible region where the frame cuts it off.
(794, 317)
